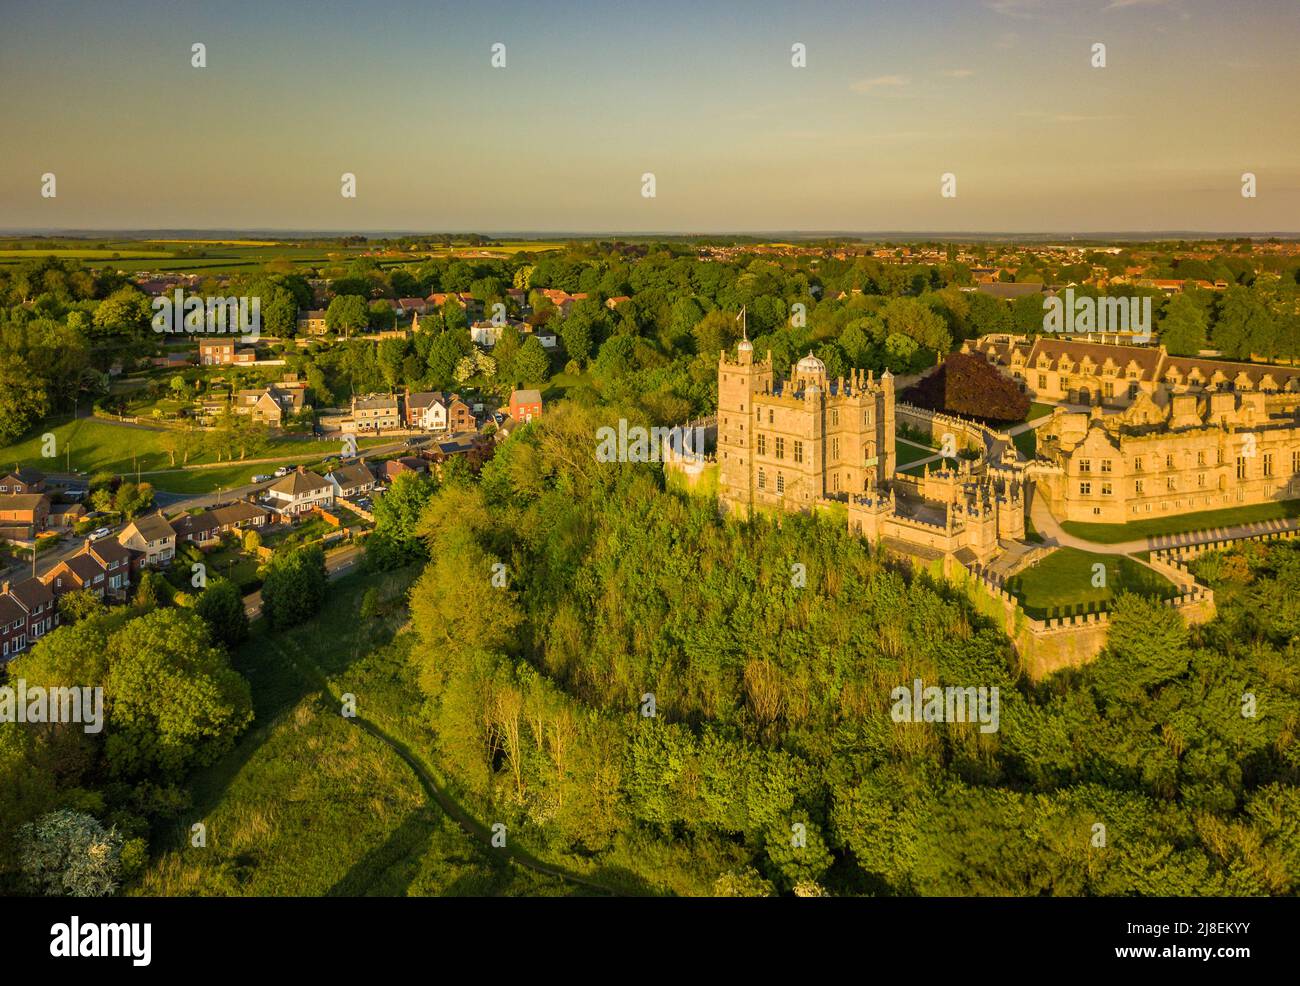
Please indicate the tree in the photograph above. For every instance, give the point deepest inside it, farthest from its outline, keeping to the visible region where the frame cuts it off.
(968, 385)
(79, 605)
(382, 316)
(252, 541)
(222, 608)
(68, 853)
(397, 520)
(125, 310)
(294, 588)
(1183, 327)
(533, 365)
(347, 313)
(176, 702)
(23, 398)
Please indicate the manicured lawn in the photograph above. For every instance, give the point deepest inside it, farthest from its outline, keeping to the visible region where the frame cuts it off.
(1026, 442)
(1183, 523)
(1037, 410)
(1062, 583)
(905, 453)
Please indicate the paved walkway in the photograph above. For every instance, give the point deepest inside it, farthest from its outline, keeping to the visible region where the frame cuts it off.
(1053, 533)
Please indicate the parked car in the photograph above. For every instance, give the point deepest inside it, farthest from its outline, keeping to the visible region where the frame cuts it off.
(100, 533)
(262, 478)
(283, 471)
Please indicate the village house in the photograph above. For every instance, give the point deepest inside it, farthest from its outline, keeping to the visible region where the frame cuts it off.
(351, 480)
(23, 515)
(79, 572)
(206, 526)
(393, 468)
(151, 538)
(27, 613)
(224, 351)
(459, 415)
(22, 480)
(64, 516)
(312, 322)
(376, 412)
(300, 492)
(271, 405)
(116, 560)
(426, 411)
(525, 405)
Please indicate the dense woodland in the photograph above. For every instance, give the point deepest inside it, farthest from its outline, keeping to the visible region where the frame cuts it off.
(772, 703)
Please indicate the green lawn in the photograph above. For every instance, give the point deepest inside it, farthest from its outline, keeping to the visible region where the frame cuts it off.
(1026, 442)
(905, 454)
(1037, 410)
(1062, 583)
(1183, 523)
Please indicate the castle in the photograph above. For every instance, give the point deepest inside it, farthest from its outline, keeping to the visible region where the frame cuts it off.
(809, 443)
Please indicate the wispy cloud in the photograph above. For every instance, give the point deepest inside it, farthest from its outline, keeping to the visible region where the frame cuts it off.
(1070, 117)
(880, 82)
(1015, 8)
(959, 73)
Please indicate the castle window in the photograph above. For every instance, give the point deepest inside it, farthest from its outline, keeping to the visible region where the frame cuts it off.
(1137, 488)
(771, 415)
(780, 483)
(1241, 467)
(1200, 479)
(1137, 463)
(1085, 489)
(762, 445)
(1042, 381)
(762, 480)
(1105, 465)
(1085, 465)
(1108, 389)
(835, 448)
(1106, 489)
(798, 451)
(780, 447)
(866, 417)
(1295, 462)
(835, 416)
(1170, 484)
(1268, 464)
(1169, 461)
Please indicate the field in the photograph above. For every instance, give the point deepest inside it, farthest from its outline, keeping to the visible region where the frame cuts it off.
(1183, 523)
(93, 445)
(1062, 584)
(312, 803)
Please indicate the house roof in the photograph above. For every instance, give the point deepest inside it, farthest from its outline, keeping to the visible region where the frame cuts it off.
(235, 513)
(152, 527)
(353, 475)
(31, 593)
(188, 525)
(85, 568)
(10, 610)
(1019, 289)
(299, 483)
(25, 475)
(525, 397)
(425, 399)
(374, 403)
(22, 501)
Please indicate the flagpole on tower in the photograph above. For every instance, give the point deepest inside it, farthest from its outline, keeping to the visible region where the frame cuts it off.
(744, 323)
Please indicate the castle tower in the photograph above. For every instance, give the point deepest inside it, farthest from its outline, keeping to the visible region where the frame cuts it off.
(738, 381)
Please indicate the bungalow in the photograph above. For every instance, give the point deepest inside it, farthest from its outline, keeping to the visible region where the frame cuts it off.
(151, 538)
(525, 405)
(200, 528)
(352, 480)
(426, 411)
(23, 480)
(413, 306)
(27, 613)
(24, 515)
(407, 463)
(240, 516)
(301, 492)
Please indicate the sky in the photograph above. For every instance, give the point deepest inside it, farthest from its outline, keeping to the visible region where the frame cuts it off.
(703, 95)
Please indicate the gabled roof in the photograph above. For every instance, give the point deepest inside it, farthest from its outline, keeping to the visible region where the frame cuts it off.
(108, 551)
(353, 475)
(300, 483)
(236, 513)
(525, 397)
(24, 475)
(85, 568)
(31, 593)
(425, 399)
(152, 527)
(22, 501)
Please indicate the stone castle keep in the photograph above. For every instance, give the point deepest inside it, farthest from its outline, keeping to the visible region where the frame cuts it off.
(809, 443)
